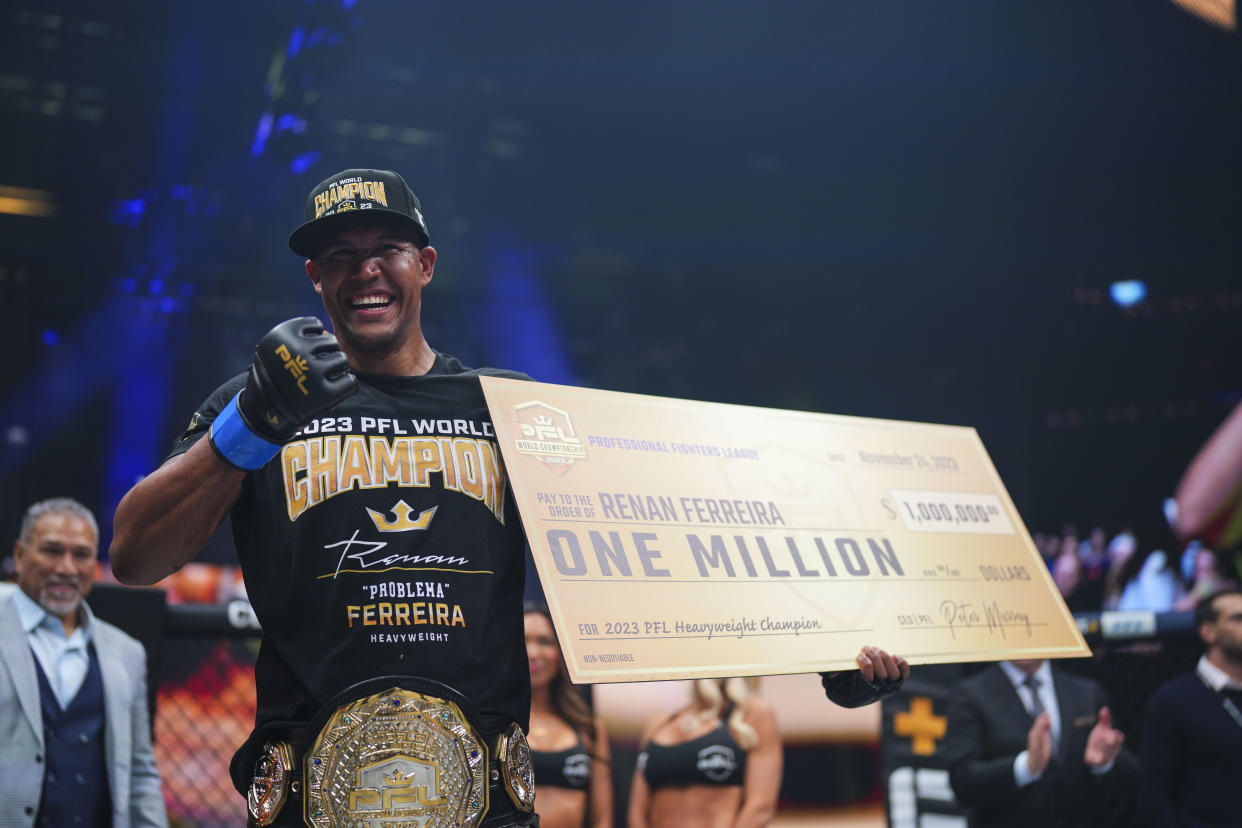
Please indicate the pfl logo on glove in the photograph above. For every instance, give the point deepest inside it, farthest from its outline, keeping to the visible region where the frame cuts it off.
(296, 366)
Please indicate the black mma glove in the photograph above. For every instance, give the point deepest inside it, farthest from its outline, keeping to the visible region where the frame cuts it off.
(848, 688)
(298, 372)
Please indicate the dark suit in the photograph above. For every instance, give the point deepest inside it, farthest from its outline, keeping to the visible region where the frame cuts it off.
(987, 729)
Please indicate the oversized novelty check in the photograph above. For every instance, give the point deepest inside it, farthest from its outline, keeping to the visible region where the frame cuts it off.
(679, 539)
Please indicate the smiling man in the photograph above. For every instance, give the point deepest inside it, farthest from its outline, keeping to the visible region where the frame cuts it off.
(381, 549)
(73, 691)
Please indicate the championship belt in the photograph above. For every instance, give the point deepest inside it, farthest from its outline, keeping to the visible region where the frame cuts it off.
(398, 757)
(516, 768)
(273, 775)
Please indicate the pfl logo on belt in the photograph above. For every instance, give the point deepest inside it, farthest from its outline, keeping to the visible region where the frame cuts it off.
(396, 757)
(396, 783)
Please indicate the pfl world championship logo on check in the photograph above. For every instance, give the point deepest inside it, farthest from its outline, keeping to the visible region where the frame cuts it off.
(546, 433)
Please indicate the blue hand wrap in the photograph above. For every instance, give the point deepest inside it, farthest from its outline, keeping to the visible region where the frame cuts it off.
(236, 443)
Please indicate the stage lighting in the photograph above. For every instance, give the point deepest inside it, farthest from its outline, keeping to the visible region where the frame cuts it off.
(304, 161)
(1128, 293)
(23, 201)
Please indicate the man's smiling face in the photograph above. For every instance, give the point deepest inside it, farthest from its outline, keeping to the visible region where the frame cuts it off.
(56, 564)
(371, 280)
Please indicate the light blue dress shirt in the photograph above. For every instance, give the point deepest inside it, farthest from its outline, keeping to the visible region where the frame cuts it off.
(64, 659)
(1048, 698)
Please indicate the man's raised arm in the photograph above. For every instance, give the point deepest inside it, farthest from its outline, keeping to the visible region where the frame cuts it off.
(298, 372)
(1209, 496)
(164, 520)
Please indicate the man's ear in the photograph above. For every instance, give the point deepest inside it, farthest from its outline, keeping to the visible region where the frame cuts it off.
(427, 258)
(312, 270)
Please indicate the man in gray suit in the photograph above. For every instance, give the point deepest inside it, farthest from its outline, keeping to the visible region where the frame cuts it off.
(76, 749)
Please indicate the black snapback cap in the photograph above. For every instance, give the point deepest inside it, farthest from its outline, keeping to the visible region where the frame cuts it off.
(357, 197)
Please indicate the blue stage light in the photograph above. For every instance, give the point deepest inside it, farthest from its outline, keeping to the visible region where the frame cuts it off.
(295, 42)
(1128, 293)
(323, 36)
(261, 134)
(50, 338)
(293, 123)
(520, 320)
(303, 162)
(128, 212)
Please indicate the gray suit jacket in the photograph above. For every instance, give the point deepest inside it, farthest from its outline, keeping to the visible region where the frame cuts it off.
(137, 797)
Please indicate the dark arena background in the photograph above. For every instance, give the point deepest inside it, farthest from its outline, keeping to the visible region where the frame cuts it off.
(1022, 217)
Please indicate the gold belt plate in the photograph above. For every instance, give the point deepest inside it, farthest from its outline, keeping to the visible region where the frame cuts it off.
(396, 758)
(269, 789)
(516, 768)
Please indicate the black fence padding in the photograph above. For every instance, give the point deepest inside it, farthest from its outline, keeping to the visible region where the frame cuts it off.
(141, 612)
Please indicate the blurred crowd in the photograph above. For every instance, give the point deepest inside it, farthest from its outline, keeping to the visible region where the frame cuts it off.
(1096, 572)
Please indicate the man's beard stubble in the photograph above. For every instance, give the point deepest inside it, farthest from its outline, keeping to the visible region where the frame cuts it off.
(373, 346)
(60, 607)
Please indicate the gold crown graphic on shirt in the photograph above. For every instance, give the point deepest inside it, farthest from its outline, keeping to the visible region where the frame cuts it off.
(402, 521)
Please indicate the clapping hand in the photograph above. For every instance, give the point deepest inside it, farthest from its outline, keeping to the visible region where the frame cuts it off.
(1039, 744)
(1103, 742)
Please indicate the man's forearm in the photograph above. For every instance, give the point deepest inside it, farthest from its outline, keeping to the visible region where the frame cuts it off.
(1211, 482)
(167, 517)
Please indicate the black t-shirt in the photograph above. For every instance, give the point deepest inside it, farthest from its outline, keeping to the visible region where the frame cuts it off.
(383, 540)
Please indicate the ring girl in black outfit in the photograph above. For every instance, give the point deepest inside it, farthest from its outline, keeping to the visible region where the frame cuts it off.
(569, 746)
(713, 764)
